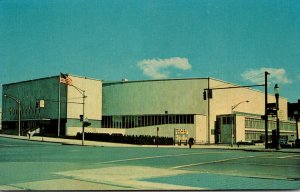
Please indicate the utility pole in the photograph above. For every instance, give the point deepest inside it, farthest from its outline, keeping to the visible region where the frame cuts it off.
(59, 105)
(276, 90)
(266, 107)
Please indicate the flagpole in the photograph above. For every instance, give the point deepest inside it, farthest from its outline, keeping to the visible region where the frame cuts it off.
(58, 122)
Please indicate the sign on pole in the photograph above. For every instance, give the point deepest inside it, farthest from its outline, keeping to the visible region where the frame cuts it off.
(181, 135)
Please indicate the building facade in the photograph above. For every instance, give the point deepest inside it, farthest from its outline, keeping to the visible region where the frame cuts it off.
(62, 105)
(168, 108)
(143, 107)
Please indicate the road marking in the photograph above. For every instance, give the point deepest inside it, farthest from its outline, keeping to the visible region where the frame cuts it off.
(74, 150)
(160, 156)
(267, 164)
(288, 156)
(6, 145)
(210, 162)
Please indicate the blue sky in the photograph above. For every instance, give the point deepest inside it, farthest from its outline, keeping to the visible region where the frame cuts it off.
(231, 40)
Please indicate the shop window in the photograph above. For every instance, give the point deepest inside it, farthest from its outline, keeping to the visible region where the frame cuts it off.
(227, 120)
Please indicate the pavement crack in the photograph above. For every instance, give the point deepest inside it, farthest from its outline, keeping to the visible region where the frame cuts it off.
(97, 182)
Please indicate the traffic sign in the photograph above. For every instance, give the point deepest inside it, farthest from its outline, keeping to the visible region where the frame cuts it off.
(271, 105)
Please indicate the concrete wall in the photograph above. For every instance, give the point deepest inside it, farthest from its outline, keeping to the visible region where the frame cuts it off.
(29, 92)
(154, 97)
(239, 128)
(200, 129)
(47, 89)
(224, 99)
(185, 96)
(93, 104)
(93, 101)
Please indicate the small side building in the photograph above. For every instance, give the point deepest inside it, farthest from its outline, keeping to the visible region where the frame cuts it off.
(51, 106)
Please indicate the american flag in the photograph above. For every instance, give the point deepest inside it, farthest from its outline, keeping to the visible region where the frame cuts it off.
(64, 78)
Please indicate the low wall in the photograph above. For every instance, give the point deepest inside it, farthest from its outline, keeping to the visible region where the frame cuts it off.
(72, 131)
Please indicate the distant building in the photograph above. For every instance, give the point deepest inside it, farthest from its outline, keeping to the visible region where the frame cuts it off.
(178, 108)
(293, 110)
(1, 118)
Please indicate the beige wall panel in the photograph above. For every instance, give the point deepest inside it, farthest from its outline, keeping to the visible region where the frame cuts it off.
(93, 101)
(164, 130)
(155, 97)
(224, 99)
(240, 128)
(200, 129)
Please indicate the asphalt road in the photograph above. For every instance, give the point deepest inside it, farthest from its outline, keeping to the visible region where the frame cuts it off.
(33, 165)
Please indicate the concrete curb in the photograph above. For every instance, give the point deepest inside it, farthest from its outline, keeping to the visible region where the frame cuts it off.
(65, 141)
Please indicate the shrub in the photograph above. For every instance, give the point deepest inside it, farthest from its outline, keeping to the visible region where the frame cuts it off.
(130, 139)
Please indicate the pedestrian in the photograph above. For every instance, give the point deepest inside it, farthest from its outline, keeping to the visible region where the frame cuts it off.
(29, 134)
(191, 142)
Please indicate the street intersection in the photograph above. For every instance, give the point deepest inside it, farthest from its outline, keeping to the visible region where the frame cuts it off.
(34, 165)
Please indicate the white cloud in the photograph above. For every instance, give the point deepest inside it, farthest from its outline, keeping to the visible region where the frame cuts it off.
(159, 68)
(277, 75)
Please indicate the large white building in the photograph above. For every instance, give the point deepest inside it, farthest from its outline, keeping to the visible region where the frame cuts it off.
(139, 107)
(170, 107)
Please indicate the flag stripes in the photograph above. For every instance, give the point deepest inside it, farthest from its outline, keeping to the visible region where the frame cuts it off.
(65, 79)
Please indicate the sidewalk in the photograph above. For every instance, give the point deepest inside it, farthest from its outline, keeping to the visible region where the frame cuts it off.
(64, 141)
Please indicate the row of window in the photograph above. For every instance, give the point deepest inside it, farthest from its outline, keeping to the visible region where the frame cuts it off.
(26, 111)
(256, 136)
(132, 121)
(260, 124)
(227, 120)
(253, 135)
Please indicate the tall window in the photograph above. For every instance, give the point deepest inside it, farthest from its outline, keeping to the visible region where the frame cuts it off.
(131, 121)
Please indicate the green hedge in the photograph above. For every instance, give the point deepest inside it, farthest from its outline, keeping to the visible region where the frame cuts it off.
(130, 139)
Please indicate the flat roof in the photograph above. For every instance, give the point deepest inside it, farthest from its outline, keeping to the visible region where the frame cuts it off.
(50, 77)
(150, 80)
(107, 83)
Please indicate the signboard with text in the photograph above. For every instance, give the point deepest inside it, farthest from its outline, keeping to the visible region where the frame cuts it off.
(181, 136)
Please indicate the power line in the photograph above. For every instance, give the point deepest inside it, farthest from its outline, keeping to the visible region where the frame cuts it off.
(236, 87)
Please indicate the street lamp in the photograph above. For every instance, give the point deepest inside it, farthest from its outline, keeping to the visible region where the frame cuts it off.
(232, 123)
(19, 109)
(276, 92)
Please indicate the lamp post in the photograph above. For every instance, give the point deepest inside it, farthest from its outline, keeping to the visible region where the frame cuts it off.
(232, 123)
(83, 103)
(296, 114)
(276, 91)
(157, 129)
(19, 111)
